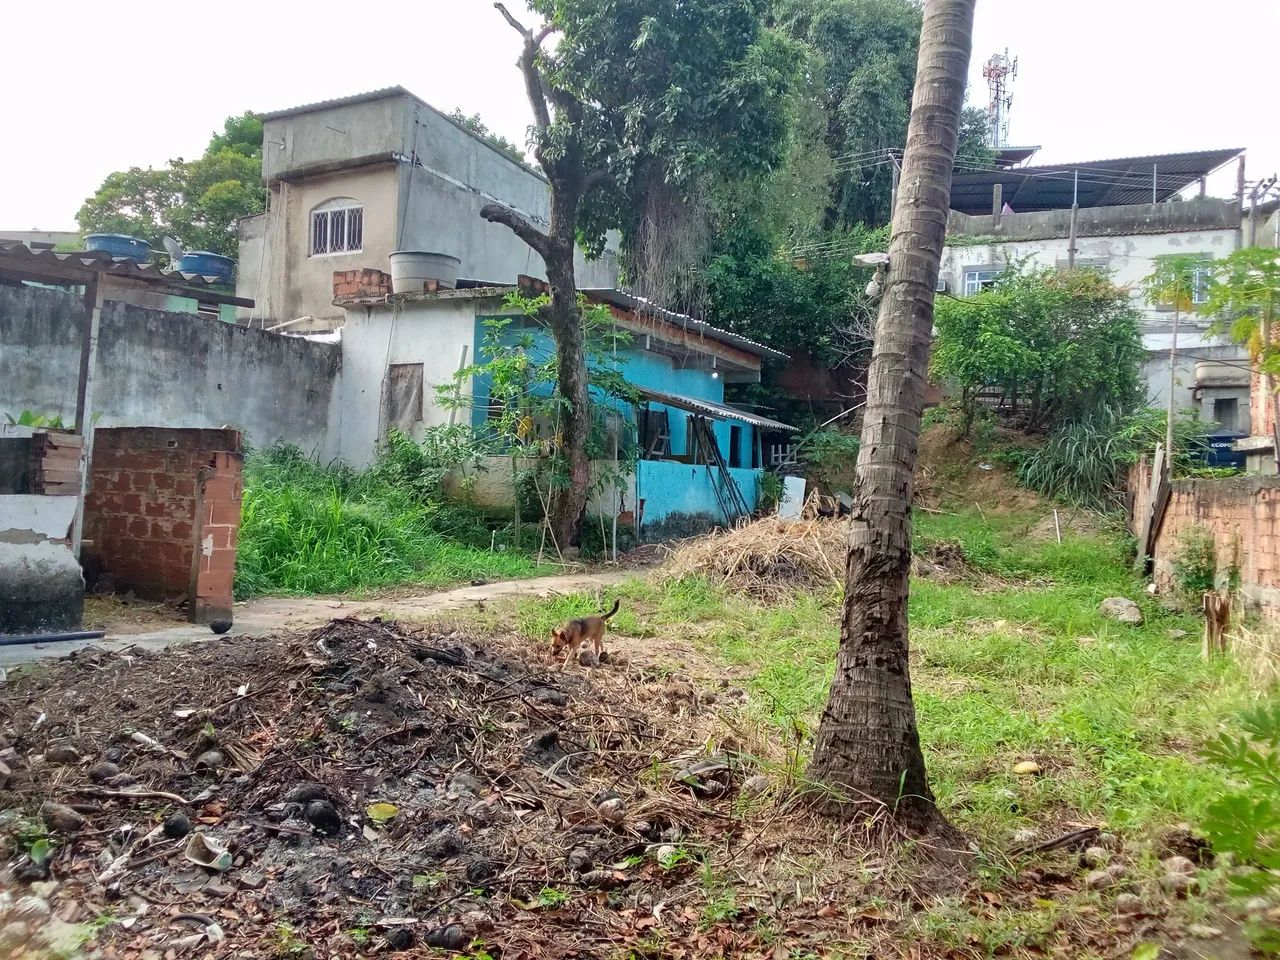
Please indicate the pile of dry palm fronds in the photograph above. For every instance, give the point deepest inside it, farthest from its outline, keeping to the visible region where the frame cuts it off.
(768, 556)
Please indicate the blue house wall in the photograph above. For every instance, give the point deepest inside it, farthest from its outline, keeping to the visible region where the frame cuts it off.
(669, 490)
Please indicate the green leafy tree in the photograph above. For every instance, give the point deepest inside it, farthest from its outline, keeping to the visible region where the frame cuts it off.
(1172, 281)
(865, 53)
(1246, 822)
(481, 130)
(1244, 300)
(649, 96)
(1062, 345)
(196, 202)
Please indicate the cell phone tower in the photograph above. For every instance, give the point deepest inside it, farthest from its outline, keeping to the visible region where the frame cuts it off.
(1000, 71)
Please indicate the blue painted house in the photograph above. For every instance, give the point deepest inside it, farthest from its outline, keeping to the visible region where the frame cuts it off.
(700, 460)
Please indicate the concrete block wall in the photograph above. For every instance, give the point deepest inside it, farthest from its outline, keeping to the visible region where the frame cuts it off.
(1242, 513)
(163, 513)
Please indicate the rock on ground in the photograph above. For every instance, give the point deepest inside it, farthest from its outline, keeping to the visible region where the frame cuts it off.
(1122, 610)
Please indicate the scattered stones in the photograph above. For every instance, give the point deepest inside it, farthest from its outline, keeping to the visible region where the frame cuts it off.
(465, 785)
(399, 938)
(1108, 841)
(1255, 905)
(1179, 884)
(1095, 857)
(61, 818)
(451, 937)
(1122, 610)
(1026, 836)
(32, 873)
(63, 753)
(220, 626)
(211, 760)
(102, 771)
(305, 793)
(5, 774)
(322, 815)
(1129, 905)
(1176, 634)
(32, 910)
(1105, 879)
(1202, 931)
(665, 853)
(756, 786)
(1027, 768)
(579, 860)
(1183, 841)
(612, 811)
(176, 825)
(1179, 864)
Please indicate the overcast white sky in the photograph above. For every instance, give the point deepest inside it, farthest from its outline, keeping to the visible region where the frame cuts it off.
(1097, 78)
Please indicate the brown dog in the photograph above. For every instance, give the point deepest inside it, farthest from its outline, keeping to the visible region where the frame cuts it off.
(577, 632)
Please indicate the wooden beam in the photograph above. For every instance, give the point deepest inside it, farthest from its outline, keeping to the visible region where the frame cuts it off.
(93, 300)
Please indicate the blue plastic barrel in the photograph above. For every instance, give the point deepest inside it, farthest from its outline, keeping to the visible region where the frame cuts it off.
(119, 245)
(207, 264)
(1218, 452)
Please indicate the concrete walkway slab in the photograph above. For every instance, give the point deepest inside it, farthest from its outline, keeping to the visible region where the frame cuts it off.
(283, 614)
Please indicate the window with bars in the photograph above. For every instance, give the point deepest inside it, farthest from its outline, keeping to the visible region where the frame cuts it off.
(977, 279)
(337, 226)
(1201, 276)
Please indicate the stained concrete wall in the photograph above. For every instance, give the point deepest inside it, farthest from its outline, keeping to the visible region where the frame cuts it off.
(443, 175)
(167, 369)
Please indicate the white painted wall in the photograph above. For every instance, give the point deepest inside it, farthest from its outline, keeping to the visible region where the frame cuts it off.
(32, 517)
(430, 332)
(1128, 259)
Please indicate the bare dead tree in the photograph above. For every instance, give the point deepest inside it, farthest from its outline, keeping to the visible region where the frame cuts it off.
(565, 165)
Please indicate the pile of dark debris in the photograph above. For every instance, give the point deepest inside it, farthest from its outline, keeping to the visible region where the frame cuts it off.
(363, 789)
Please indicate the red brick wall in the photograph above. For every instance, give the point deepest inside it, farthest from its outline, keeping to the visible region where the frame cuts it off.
(1243, 509)
(163, 512)
(356, 284)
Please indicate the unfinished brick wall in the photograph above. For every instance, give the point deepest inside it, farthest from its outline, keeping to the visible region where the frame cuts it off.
(1236, 510)
(359, 284)
(163, 514)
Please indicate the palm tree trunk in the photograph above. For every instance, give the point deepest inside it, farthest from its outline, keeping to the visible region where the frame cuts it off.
(868, 748)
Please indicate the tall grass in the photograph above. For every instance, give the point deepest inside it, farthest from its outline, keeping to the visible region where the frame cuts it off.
(308, 528)
(1002, 673)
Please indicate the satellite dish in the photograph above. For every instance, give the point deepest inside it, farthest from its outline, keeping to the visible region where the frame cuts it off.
(173, 248)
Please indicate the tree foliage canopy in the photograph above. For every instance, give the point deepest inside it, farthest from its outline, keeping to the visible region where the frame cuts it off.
(660, 94)
(1065, 344)
(1244, 300)
(476, 125)
(196, 202)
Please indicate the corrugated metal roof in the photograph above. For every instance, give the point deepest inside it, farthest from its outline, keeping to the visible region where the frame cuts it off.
(717, 410)
(18, 256)
(629, 301)
(1102, 183)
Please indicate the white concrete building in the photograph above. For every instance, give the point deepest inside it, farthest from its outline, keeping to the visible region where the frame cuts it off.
(1026, 218)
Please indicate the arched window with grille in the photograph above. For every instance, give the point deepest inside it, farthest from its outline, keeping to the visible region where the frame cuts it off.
(337, 226)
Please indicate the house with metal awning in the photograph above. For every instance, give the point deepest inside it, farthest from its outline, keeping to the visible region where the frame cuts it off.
(699, 461)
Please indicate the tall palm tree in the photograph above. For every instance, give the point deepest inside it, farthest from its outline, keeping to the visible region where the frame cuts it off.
(868, 748)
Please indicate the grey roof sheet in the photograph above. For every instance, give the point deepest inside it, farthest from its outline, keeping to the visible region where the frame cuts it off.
(629, 301)
(1102, 183)
(717, 410)
(102, 262)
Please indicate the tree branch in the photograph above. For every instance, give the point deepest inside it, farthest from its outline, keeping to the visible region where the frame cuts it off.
(529, 67)
(596, 178)
(522, 228)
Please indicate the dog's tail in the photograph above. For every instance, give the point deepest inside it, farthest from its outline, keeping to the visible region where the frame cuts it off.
(612, 611)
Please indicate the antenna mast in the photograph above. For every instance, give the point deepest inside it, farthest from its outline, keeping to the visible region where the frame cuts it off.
(999, 71)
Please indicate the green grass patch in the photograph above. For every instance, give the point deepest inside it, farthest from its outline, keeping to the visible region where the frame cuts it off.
(308, 528)
(1024, 668)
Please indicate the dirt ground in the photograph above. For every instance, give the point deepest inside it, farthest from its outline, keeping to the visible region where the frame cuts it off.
(367, 788)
